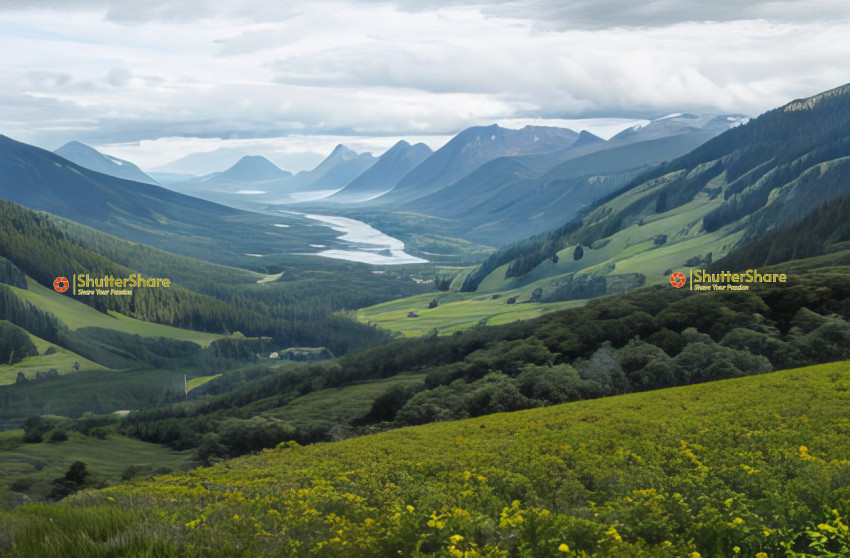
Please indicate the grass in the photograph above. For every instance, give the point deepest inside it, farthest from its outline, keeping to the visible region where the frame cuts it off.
(76, 315)
(455, 312)
(198, 381)
(108, 459)
(737, 467)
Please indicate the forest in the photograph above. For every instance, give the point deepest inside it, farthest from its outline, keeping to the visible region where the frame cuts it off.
(643, 340)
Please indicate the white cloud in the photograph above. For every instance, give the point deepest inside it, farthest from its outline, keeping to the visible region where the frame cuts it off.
(119, 73)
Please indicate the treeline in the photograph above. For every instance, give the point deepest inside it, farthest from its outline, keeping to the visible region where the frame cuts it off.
(15, 344)
(647, 339)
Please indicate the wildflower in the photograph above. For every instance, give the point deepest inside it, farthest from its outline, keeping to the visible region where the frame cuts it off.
(564, 547)
(612, 532)
(738, 521)
(736, 549)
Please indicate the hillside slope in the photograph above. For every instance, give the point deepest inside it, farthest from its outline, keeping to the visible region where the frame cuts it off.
(713, 469)
(92, 159)
(755, 178)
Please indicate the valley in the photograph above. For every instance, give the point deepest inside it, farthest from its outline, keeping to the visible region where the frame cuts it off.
(474, 349)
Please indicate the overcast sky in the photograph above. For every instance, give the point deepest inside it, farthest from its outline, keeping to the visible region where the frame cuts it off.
(154, 80)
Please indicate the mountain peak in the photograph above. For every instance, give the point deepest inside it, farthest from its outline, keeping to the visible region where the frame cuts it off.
(586, 138)
(254, 167)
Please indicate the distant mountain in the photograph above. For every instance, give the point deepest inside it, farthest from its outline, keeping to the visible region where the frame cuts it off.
(384, 174)
(469, 150)
(510, 198)
(753, 180)
(506, 200)
(253, 168)
(92, 159)
(337, 170)
(677, 124)
(202, 163)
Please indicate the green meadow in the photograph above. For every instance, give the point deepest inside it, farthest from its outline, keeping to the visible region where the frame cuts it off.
(455, 312)
(755, 466)
(35, 465)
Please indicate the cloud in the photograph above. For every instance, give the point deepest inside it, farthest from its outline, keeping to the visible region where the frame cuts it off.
(120, 73)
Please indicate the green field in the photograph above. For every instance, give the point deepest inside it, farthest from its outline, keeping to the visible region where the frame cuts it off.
(738, 467)
(108, 459)
(76, 315)
(456, 312)
(198, 381)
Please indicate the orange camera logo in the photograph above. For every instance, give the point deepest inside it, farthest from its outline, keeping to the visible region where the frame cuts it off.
(61, 284)
(678, 279)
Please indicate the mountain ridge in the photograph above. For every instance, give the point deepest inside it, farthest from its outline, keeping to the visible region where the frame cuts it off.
(92, 159)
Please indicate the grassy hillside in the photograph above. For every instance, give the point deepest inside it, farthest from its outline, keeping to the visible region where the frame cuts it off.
(49, 356)
(738, 467)
(35, 465)
(455, 312)
(76, 315)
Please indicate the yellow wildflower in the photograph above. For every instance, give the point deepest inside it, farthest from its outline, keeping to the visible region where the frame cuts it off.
(564, 547)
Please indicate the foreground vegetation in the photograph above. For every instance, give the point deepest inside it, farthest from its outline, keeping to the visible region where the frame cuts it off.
(27, 470)
(739, 467)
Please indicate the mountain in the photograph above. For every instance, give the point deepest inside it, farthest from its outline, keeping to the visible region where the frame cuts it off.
(384, 174)
(754, 179)
(510, 198)
(469, 150)
(338, 169)
(253, 168)
(679, 123)
(92, 159)
(44, 181)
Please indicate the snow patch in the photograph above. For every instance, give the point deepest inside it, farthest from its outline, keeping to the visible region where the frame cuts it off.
(674, 115)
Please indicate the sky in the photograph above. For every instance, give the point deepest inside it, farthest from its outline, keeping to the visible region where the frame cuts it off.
(152, 81)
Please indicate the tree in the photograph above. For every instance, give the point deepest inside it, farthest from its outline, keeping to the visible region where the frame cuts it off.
(578, 253)
(34, 429)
